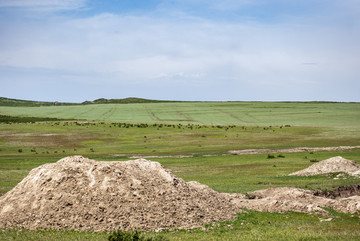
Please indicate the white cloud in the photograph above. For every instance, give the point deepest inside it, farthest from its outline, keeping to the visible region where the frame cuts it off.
(213, 4)
(143, 48)
(48, 5)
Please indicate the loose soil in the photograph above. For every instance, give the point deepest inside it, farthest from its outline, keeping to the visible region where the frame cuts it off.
(82, 194)
(331, 165)
(340, 192)
(285, 199)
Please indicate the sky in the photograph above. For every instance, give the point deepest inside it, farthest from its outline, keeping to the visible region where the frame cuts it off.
(202, 50)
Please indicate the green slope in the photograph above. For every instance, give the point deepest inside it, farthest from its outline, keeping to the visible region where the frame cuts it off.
(343, 115)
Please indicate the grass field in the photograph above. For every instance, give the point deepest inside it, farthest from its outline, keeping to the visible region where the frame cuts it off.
(172, 129)
(239, 113)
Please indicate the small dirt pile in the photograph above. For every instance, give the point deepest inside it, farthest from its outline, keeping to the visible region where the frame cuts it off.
(283, 199)
(334, 164)
(83, 194)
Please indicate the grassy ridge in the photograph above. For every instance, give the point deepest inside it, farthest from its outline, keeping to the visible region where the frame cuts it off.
(29, 103)
(124, 101)
(340, 115)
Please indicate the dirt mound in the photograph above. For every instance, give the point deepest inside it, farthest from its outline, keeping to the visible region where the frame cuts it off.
(340, 192)
(83, 194)
(334, 164)
(295, 199)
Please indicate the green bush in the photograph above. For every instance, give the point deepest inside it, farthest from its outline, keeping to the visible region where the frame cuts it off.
(121, 235)
(269, 156)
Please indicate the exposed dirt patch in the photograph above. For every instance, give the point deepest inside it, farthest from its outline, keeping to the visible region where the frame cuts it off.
(334, 164)
(340, 192)
(298, 149)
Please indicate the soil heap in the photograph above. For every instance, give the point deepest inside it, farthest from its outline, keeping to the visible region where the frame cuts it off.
(283, 199)
(334, 164)
(83, 194)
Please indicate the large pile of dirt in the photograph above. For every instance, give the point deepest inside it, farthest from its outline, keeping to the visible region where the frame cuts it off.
(334, 164)
(83, 194)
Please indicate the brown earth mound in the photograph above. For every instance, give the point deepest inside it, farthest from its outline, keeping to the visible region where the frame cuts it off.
(282, 199)
(334, 164)
(83, 194)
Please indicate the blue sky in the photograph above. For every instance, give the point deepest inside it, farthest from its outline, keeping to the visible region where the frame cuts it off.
(263, 50)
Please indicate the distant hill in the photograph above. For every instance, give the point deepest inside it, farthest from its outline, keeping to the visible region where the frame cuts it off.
(16, 102)
(124, 101)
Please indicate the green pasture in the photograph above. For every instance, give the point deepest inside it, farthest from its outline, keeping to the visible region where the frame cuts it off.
(24, 146)
(203, 133)
(239, 113)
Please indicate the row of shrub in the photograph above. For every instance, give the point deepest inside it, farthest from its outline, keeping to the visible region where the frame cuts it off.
(121, 235)
(18, 119)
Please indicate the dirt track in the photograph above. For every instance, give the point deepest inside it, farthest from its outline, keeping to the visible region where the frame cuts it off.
(289, 150)
(256, 151)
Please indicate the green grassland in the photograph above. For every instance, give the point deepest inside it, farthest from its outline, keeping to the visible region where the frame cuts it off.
(25, 146)
(239, 113)
(203, 132)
